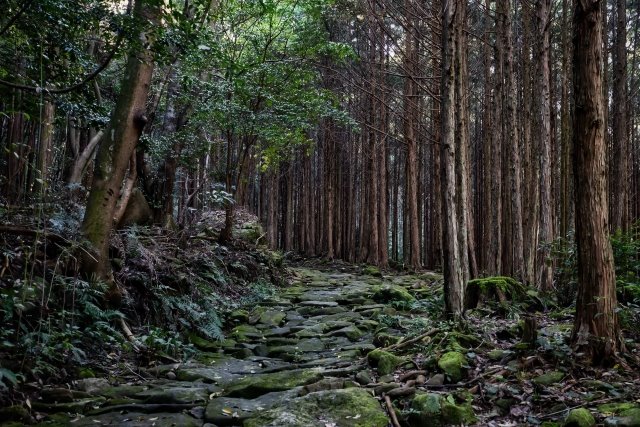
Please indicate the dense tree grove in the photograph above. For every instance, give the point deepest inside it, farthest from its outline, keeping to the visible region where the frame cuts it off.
(474, 138)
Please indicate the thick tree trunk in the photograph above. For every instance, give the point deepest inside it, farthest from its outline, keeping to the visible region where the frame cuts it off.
(510, 97)
(411, 159)
(544, 268)
(124, 130)
(596, 331)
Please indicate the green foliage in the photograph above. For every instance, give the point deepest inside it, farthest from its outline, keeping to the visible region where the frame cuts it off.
(626, 254)
(52, 323)
(164, 342)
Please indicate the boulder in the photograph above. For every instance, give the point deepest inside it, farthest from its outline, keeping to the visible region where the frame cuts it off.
(384, 361)
(453, 363)
(255, 385)
(350, 407)
(580, 417)
(393, 293)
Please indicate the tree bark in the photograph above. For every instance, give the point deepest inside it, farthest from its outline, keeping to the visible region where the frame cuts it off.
(620, 166)
(453, 269)
(596, 330)
(124, 130)
(543, 81)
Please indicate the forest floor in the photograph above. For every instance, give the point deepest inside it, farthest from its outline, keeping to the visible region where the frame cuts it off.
(346, 346)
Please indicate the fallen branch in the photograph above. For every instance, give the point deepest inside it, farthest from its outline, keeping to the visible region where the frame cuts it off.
(24, 231)
(413, 340)
(401, 392)
(392, 412)
(409, 375)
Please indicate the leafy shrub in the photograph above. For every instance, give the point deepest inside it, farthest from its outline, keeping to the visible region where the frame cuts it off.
(626, 255)
(52, 323)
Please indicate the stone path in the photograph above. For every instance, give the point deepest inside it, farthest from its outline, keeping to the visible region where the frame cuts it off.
(297, 359)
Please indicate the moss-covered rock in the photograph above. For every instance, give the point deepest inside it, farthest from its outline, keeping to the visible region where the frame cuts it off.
(495, 288)
(204, 344)
(256, 385)
(86, 373)
(453, 363)
(617, 408)
(548, 379)
(385, 339)
(239, 316)
(349, 407)
(393, 293)
(579, 417)
(174, 395)
(351, 332)
(384, 361)
(272, 318)
(244, 333)
(426, 410)
(453, 414)
(372, 271)
(628, 418)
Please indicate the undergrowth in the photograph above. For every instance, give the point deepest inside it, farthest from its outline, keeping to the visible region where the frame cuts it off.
(171, 284)
(626, 254)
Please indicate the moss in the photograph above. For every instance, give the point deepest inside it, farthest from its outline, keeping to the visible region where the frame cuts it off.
(457, 414)
(580, 417)
(548, 379)
(385, 362)
(491, 287)
(617, 408)
(391, 293)
(250, 232)
(243, 333)
(427, 404)
(272, 318)
(349, 407)
(629, 417)
(372, 271)
(239, 316)
(202, 343)
(258, 384)
(385, 339)
(453, 364)
(86, 373)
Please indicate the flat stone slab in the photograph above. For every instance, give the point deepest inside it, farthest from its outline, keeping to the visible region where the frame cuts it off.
(350, 407)
(224, 411)
(174, 395)
(138, 420)
(319, 303)
(254, 385)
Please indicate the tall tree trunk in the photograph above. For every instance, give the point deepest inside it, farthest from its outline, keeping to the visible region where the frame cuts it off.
(453, 268)
(411, 159)
(125, 127)
(543, 81)
(596, 330)
(621, 153)
(45, 147)
(565, 127)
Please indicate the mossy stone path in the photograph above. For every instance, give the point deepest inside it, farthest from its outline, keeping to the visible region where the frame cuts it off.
(291, 361)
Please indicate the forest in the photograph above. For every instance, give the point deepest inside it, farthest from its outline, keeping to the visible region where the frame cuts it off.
(332, 213)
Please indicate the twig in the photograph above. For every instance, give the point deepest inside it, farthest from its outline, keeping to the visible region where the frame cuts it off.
(402, 344)
(606, 399)
(134, 372)
(392, 412)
